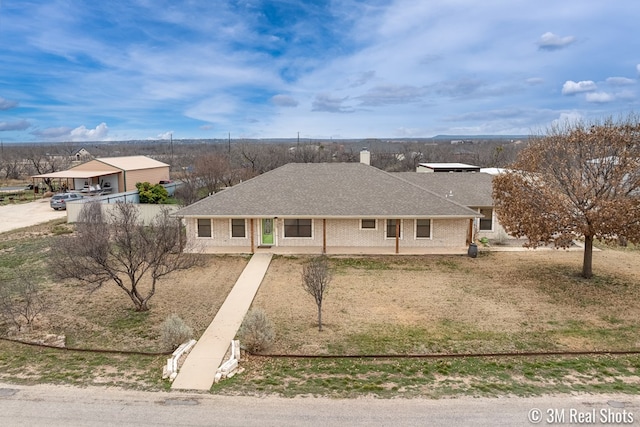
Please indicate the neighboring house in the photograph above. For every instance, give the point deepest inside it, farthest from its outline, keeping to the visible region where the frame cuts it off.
(114, 174)
(474, 190)
(81, 155)
(328, 208)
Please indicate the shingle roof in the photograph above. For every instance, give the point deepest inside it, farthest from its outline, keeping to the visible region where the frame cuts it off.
(326, 190)
(132, 162)
(467, 188)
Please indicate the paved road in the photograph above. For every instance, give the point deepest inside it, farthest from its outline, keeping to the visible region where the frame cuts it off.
(44, 405)
(27, 214)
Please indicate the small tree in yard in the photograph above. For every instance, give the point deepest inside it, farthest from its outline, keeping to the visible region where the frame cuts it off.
(122, 250)
(578, 180)
(20, 301)
(316, 276)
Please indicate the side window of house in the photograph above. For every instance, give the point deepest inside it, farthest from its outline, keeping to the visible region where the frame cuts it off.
(204, 227)
(368, 224)
(423, 228)
(486, 222)
(238, 228)
(391, 228)
(297, 228)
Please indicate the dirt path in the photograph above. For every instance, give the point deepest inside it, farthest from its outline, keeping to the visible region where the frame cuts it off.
(27, 214)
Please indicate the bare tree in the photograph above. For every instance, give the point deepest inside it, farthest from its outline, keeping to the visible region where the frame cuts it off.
(211, 169)
(21, 301)
(316, 276)
(45, 159)
(120, 249)
(189, 190)
(578, 180)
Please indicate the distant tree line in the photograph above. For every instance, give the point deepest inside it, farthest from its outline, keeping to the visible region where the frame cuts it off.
(206, 166)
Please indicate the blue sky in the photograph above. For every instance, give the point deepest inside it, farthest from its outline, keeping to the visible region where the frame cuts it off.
(74, 70)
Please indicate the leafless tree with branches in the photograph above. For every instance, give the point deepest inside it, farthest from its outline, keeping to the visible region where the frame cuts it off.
(21, 301)
(122, 250)
(316, 276)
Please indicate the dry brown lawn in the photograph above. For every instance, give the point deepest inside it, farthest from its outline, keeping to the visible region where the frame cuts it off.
(498, 302)
(502, 301)
(104, 318)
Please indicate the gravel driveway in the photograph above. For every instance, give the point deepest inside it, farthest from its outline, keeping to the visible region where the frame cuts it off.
(27, 214)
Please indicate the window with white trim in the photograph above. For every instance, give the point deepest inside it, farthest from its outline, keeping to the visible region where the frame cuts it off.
(368, 224)
(298, 228)
(204, 227)
(486, 222)
(423, 228)
(391, 229)
(238, 228)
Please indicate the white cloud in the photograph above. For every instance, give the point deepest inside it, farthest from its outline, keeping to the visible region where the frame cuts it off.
(638, 68)
(620, 81)
(570, 87)
(81, 133)
(6, 104)
(328, 103)
(17, 125)
(599, 97)
(534, 81)
(165, 135)
(53, 133)
(568, 118)
(550, 41)
(284, 101)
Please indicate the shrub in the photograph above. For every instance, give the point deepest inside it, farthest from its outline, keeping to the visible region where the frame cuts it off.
(175, 332)
(155, 194)
(256, 333)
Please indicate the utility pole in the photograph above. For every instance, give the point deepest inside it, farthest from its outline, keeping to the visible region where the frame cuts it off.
(229, 144)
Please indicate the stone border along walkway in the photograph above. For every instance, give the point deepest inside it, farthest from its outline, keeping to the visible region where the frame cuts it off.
(199, 369)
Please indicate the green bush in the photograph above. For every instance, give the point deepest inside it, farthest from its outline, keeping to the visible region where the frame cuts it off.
(153, 194)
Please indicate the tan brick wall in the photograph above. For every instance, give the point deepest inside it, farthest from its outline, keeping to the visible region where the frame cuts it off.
(340, 233)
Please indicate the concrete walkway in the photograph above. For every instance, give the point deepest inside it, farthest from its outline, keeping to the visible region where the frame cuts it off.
(199, 369)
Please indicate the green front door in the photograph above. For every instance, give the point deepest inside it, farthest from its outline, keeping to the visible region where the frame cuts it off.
(267, 231)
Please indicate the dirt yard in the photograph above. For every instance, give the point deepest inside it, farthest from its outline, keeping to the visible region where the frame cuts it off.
(507, 301)
(104, 318)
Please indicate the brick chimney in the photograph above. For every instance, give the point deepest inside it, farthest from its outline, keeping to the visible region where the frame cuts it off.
(365, 157)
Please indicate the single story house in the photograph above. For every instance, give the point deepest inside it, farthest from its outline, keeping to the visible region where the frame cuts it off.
(329, 208)
(114, 174)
